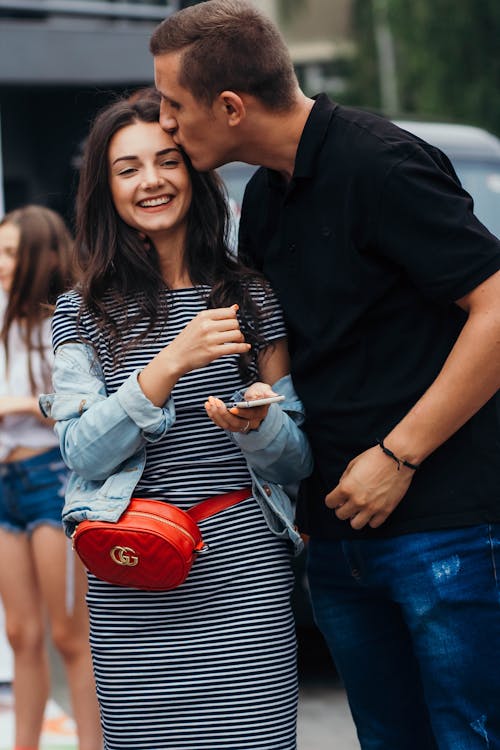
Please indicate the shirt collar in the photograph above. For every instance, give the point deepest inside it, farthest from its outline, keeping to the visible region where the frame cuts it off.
(311, 140)
(313, 135)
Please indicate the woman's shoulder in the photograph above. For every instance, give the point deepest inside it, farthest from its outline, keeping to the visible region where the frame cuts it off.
(69, 302)
(66, 321)
(262, 293)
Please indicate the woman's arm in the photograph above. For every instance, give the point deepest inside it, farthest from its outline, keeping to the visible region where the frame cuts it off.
(98, 432)
(21, 405)
(372, 486)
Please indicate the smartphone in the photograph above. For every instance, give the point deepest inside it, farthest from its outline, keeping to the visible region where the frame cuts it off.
(255, 402)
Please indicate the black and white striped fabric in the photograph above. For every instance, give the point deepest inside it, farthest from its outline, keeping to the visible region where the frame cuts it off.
(212, 664)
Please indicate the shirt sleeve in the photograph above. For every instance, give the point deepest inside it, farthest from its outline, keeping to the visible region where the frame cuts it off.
(272, 324)
(426, 225)
(65, 321)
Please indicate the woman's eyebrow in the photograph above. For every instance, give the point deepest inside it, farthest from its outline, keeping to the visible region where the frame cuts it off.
(167, 151)
(132, 157)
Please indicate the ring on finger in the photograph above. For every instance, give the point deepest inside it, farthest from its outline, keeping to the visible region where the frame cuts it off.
(246, 428)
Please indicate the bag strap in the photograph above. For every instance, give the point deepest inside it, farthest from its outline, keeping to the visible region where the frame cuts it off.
(213, 505)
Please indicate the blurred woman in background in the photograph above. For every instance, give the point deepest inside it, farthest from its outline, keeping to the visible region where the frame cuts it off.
(37, 577)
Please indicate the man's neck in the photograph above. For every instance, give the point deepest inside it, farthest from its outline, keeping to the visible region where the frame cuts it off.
(273, 137)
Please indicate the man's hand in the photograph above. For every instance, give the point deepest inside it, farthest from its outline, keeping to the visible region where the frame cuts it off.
(369, 490)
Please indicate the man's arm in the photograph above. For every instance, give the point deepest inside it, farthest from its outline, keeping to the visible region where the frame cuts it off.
(373, 484)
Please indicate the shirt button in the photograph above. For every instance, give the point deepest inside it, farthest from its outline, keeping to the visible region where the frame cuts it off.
(292, 247)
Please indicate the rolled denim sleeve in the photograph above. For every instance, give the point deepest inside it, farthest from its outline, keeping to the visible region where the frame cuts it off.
(98, 432)
(153, 421)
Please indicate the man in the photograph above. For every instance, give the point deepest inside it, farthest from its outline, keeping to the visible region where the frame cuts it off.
(391, 291)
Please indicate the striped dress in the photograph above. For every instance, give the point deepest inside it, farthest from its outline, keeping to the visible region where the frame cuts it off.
(210, 665)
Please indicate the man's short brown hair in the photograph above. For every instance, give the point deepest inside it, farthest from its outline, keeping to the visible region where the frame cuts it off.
(228, 45)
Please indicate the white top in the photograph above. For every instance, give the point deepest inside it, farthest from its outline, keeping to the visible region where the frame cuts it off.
(23, 430)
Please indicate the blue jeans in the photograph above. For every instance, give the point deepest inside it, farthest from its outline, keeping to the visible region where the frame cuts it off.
(32, 492)
(413, 624)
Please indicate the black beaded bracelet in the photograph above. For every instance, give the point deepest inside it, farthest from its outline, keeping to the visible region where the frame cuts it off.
(400, 461)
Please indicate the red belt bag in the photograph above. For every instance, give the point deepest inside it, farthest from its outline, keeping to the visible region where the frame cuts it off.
(153, 544)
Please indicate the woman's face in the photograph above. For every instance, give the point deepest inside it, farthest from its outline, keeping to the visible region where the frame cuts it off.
(149, 181)
(10, 236)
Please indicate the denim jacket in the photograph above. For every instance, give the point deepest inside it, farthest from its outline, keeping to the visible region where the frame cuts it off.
(103, 442)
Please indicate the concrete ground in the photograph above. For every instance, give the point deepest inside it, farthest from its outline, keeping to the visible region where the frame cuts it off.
(324, 721)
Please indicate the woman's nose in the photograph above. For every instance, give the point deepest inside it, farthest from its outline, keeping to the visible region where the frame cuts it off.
(152, 179)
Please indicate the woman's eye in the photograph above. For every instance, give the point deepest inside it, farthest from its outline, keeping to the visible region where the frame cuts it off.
(170, 163)
(9, 252)
(126, 171)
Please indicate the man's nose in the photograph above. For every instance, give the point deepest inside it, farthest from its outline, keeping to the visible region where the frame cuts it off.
(167, 120)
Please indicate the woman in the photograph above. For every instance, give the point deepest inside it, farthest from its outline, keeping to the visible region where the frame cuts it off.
(164, 330)
(35, 267)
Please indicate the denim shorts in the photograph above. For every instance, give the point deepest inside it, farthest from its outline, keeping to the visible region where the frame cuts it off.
(32, 492)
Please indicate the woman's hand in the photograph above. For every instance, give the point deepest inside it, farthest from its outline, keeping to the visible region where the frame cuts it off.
(240, 420)
(209, 335)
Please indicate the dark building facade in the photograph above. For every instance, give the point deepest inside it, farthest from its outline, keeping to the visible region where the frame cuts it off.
(60, 61)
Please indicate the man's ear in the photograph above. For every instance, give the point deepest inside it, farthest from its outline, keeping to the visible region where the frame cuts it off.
(232, 107)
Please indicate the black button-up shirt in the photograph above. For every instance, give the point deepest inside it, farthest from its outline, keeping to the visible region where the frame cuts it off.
(368, 246)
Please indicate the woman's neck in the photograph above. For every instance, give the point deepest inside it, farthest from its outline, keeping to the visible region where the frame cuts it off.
(172, 260)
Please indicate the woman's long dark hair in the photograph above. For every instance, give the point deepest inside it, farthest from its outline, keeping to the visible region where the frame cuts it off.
(113, 257)
(43, 271)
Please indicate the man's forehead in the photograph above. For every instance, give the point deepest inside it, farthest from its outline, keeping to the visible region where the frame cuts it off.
(168, 85)
(167, 77)
(167, 65)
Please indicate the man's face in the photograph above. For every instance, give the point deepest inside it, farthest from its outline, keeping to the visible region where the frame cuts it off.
(10, 237)
(198, 128)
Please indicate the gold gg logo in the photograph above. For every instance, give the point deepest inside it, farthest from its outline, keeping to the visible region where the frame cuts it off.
(122, 556)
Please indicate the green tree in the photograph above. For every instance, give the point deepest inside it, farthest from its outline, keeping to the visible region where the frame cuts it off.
(448, 58)
(287, 8)
(364, 89)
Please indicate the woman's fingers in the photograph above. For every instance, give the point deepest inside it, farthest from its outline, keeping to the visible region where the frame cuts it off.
(209, 335)
(222, 417)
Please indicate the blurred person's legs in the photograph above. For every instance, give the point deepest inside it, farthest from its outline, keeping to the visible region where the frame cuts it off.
(69, 629)
(33, 566)
(413, 623)
(24, 623)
